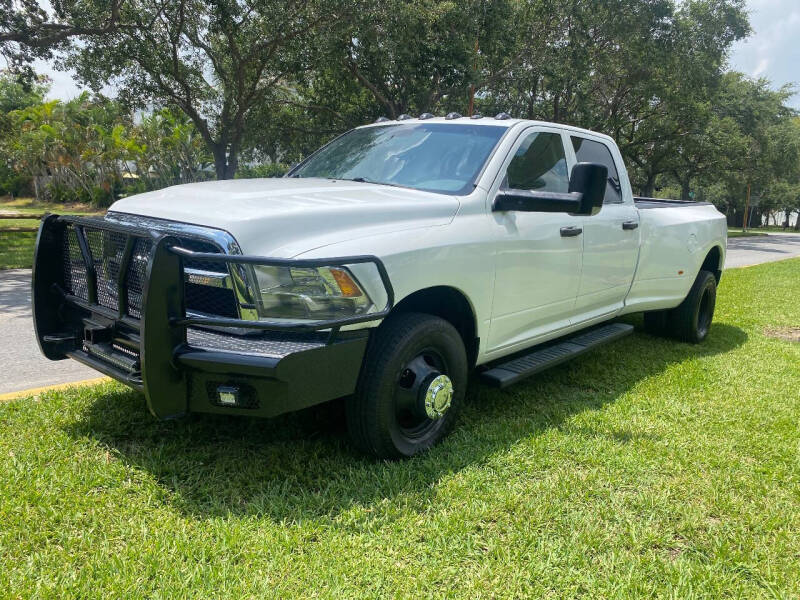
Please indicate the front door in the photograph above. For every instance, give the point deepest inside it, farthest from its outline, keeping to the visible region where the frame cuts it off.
(538, 259)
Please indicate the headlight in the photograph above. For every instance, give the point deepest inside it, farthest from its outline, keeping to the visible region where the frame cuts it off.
(309, 293)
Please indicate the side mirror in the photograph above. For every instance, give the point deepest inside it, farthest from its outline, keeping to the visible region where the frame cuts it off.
(589, 179)
(587, 187)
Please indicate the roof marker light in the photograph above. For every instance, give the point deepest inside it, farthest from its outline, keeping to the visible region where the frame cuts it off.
(502, 116)
(425, 116)
(477, 116)
(381, 120)
(453, 115)
(404, 117)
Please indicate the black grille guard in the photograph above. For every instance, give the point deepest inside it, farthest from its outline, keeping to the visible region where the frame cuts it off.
(158, 270)
(66, 325)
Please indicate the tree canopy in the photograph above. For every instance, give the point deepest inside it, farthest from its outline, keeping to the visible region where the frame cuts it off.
(259, 81)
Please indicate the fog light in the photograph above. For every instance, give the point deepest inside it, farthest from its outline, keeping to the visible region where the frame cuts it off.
(228, 395)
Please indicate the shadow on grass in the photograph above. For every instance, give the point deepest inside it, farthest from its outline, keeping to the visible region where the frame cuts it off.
(300, 466)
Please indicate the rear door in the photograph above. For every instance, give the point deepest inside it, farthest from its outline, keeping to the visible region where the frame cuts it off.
(610, 238)
(538, 260)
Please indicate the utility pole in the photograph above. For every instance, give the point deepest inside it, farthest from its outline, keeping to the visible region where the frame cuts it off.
(746, 208)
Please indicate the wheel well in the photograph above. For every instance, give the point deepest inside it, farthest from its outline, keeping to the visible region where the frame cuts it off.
(712, 262)
(451, 305)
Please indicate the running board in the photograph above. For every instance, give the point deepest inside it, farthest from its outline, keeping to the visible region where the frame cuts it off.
(553, 353)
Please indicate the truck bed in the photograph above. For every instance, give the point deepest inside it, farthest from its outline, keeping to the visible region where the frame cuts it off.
(674, 244)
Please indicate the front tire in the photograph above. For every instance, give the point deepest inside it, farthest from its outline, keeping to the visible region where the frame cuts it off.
(411, 387)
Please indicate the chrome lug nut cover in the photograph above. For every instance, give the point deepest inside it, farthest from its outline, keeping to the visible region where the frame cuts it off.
(438, 397)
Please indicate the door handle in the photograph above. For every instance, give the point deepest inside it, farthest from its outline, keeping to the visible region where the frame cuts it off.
(630, 225)
(571, 231)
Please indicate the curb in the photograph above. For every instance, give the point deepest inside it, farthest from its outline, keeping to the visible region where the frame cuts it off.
(51, 388)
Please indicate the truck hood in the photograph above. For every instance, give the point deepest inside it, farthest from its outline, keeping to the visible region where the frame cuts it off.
(287, 216)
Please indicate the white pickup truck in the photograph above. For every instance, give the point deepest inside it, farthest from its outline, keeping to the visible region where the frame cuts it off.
(381, 269)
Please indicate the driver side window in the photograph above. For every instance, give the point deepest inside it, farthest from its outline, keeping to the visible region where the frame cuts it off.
(539, 165)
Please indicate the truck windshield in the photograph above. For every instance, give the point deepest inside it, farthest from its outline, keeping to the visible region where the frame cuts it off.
(436, 157)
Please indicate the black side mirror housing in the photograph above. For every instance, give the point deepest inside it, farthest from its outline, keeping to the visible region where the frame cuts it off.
(587, 188)
(589, 180)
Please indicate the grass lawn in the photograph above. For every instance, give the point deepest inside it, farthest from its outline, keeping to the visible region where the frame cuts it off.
(648, 468)
(32, 206)
(16, 248)
(734, 233)
(777, 228)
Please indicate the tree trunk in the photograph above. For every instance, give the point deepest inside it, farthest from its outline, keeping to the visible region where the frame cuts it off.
(685, 189)
(649, 187)
(225, 163)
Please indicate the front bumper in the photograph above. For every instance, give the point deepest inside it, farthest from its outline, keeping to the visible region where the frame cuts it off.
(181, 361)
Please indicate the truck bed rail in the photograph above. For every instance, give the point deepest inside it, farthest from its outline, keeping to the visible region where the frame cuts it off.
(644, 203)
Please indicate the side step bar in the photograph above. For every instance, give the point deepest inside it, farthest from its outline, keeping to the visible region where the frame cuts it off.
(553, 353)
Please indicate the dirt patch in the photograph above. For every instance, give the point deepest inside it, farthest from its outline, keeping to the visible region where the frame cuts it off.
(791, 334)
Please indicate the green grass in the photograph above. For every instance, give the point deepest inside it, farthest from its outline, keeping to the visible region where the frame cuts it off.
(734, 233)
(33, 206)
(16, 248)
(649, 468)
(777, 228)
(9, 223)
(752, 231)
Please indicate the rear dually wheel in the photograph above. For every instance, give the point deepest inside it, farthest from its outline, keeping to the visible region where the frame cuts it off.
(690, 321)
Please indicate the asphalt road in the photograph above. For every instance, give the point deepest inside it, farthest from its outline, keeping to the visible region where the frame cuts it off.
(747, 251)
(22, 367)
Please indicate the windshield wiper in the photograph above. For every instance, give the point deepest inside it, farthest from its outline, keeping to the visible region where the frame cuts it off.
(365, 180)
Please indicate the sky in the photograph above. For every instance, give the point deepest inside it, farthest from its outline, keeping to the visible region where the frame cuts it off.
(772, 51)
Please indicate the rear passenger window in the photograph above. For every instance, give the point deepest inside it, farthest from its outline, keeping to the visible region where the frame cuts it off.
(539, 164)
(594, 152)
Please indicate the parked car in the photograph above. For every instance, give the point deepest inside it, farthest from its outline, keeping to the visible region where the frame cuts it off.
(382, 269)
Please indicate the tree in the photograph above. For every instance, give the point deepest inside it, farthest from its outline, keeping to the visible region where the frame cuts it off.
(16, 93)
(639, 70)
(313, 111)
(28, 31)
(172, 151)
(669, 132)
(74, 150)
(90, 149)
(764, 148)
(215, 61)
(410, 56)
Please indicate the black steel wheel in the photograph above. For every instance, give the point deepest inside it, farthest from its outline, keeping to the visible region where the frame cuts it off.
(411, 386)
